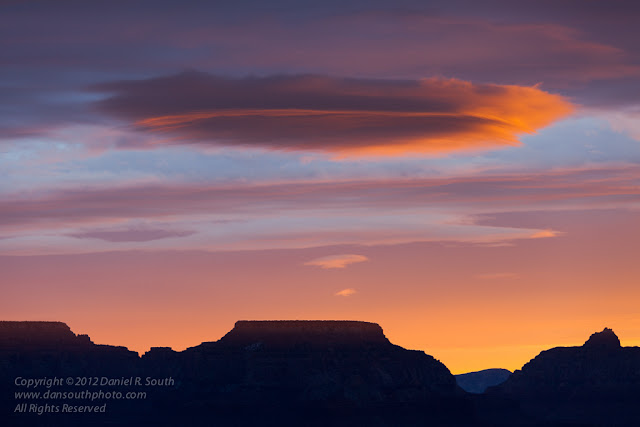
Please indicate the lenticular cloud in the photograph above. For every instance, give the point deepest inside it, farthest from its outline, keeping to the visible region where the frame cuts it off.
(335, 115)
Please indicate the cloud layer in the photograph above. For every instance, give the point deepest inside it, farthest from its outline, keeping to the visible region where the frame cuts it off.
(304, 214)
(338, 115)
(486, 193)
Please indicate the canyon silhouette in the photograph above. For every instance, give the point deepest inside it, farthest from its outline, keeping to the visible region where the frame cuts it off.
(303, 373)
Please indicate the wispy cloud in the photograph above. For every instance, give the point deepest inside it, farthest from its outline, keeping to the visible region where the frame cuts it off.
(345, 292)
(131, 234)
(305, 214)
(337, 261)
(486, 193)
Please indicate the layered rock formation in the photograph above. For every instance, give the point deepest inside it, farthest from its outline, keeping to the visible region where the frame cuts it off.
(600, 366)
(39, 335)
(49, 351)
(51, 348)
(595, 384)
(267, 372)
(317, 373)
(344, 363)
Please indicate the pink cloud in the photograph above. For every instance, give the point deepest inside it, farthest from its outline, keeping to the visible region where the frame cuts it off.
(345, 292)
(543, 234)
(337, 261)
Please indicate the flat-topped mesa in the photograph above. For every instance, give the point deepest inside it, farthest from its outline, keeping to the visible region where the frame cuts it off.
(314, 333)
(39, 335)
(607, 339)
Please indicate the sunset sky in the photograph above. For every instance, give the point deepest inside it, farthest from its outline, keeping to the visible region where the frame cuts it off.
(464, 173)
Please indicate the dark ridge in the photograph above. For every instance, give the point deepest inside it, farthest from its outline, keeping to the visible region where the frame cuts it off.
(594, 384)
(479, 381)
(261, 372)
(316, 373)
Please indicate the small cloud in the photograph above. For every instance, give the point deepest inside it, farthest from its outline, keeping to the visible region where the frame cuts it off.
(544, 233)
(336, 261)
(345, 292)
(492, 276)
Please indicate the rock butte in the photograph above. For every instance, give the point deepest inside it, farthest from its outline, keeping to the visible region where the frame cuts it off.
(277, 333)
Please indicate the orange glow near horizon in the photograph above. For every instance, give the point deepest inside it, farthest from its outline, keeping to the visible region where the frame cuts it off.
(471, 306)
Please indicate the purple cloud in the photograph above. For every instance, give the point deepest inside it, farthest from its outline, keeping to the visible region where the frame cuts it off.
(131, 234)
(339, 115)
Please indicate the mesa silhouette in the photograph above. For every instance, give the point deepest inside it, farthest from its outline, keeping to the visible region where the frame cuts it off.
(313, 373)
(266, 372)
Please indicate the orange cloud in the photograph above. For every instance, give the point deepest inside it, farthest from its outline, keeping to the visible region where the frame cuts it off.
(342, 116)
(337, 261)
(345, 292)
(545, 233)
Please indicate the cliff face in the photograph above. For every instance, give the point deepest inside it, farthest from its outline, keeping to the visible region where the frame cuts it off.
(600, 366)
(343, 362)
(593, 383)
(38, 335)
(342, 372)
(51, 348)
(47, 350)
(281, 368)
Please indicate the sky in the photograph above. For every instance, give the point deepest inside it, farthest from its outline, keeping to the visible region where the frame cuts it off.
(465, 174)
